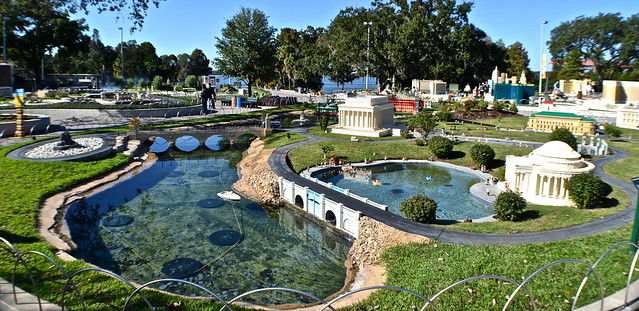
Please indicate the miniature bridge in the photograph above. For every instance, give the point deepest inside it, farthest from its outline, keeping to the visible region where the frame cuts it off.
(171, 135)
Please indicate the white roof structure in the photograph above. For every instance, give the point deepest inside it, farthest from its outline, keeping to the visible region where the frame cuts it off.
(542, 175)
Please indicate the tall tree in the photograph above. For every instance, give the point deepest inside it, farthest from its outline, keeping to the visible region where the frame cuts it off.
(597, 38)
(36, 28)
(199, 64)
(572, 66)
(517, 60)
(247, 49)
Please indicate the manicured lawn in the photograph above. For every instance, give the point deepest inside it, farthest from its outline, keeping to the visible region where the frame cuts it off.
(429, 268)
(318, 132)
(278, 140)
(628, 167)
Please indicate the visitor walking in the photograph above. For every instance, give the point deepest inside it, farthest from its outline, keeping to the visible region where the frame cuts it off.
(205, 96)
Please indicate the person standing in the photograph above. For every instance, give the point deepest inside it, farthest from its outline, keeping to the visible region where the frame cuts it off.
(212, 96)
(205, 96)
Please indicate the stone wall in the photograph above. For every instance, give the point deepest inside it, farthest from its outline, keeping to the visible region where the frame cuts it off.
(257, 181)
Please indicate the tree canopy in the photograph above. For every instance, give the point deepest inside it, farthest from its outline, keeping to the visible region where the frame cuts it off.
(247, 47)
(608, 40)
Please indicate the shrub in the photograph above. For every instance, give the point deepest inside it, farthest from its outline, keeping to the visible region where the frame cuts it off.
(612, 130)
(499, 106)
(157, 82)
(509, 205)
(585, 189)
(440, 146)
(406, 135)
(419, 208)
(565, 135)
(443, 115)
(513, 108)
(191, 81)
(482, 154)
(419, 142)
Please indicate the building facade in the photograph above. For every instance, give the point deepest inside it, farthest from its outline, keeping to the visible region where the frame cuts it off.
(541, 176)
(548, 121)
(366, 116)
(628, 117)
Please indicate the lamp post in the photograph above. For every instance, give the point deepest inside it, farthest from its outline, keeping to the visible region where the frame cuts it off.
(122, 49)
(635, 226)
(541, 60)
(368, 48)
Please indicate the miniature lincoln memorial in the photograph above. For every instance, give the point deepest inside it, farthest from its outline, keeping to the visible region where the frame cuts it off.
(542, 175)
(365, 116)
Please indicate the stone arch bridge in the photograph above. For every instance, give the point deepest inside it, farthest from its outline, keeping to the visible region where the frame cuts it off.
(230, 133)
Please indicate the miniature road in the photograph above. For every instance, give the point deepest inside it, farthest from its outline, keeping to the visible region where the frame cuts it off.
(279, 164)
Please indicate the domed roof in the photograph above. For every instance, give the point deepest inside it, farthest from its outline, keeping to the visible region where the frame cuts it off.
(557, 149)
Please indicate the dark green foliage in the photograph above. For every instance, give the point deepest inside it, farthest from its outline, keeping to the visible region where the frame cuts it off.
(612, 130)
(324, 123)
(247, 49)
(157, 83)
(585, 189)
(419, 142)
(513, 108)
(565, 135)
(440, 146)
(419, 208)
(509, 205)
(406, 135)
(443, 115)
(499, 106)
(424, 122)
(482, 154)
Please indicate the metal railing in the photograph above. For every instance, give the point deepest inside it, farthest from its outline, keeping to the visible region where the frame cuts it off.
(20, 260)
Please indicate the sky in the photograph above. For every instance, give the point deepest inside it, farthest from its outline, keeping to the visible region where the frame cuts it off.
(180, 26)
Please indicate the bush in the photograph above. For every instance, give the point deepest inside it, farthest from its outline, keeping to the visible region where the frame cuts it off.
(419, 208)
(612, 130)
(440, 146)
(513, 108)
(157, 83)
(565, 135)
(509, 205)
(419, 142)
(191, 81)
(499, 106)
(585, 189)
(482, 154)
(406, 135)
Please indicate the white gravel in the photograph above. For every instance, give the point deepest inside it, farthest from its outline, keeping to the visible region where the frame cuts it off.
(46, 151)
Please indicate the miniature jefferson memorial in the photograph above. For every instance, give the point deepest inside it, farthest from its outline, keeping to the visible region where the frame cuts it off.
(542, 175)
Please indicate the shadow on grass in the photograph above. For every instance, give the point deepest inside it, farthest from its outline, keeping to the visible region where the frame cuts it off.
(17, 239)
(495, 164)
(529, 215)
(607, 203)
(453, 155)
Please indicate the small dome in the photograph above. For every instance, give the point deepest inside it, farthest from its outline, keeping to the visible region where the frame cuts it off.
(557, 149)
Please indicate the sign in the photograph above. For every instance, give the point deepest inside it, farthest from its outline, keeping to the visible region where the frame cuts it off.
(543, 66)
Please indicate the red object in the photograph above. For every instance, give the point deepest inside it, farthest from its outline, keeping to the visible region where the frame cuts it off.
(404, 105)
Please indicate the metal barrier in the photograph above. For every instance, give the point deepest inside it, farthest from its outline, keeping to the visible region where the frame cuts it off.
(20, 260)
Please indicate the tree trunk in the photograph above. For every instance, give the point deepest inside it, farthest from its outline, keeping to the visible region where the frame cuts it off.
(250, 87)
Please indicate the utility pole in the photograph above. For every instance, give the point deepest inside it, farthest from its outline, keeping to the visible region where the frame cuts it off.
(122, 49)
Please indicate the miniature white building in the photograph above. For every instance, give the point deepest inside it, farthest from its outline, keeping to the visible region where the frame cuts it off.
(365, 116)
(542, 175)
(628, 117)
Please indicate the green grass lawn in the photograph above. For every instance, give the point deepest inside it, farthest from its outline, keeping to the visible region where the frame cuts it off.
(628, 167)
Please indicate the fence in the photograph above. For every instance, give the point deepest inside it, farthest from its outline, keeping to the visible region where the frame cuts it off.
(21, 259)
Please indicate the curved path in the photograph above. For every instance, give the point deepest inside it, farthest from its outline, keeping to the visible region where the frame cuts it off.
(280, 165)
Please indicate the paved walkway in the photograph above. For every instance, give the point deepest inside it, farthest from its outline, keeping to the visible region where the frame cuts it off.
(278, 162)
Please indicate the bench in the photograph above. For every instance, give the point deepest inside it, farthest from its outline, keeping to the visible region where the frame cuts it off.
(251, 102)
(226, 101)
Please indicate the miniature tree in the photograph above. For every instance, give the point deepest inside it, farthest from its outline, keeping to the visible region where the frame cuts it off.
(585, 189)
(509, 205)
(440, 146)
(612, 130)
(565, 135)
(482, 154)
(419, 208)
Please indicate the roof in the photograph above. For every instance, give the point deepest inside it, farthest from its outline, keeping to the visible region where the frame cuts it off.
(557, 149)
(559, 115)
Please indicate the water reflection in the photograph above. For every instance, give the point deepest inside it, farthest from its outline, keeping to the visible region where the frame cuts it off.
(166, 221)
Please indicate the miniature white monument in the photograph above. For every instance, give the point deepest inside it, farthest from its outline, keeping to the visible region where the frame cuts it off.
(370, 116)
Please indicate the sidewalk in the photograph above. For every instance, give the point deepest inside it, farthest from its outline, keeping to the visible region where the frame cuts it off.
(26, 301)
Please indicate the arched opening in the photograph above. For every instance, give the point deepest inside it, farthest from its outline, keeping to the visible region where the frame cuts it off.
(330, 218)
(299, 202)
(217, 142)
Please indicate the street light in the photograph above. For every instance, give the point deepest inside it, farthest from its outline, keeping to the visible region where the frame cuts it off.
(541, 60)
(122, 49)
(368, 49)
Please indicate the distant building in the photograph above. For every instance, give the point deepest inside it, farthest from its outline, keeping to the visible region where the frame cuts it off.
(621, 92)
(628, 117)
(548, 121)
(541, 176)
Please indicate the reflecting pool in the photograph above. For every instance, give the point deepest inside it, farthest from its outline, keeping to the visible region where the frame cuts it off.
(167, 222)
(400, 181)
